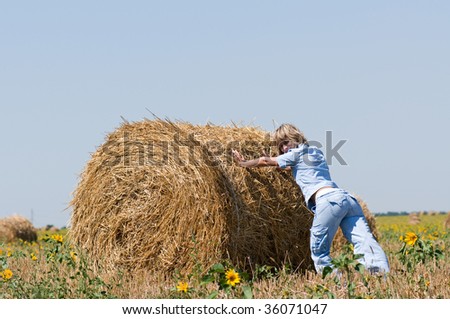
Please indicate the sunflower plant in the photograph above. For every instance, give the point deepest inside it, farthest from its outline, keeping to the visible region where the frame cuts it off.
(5, 272)
(346, 268)
(418, 249)
(54, 270)
(228, 280)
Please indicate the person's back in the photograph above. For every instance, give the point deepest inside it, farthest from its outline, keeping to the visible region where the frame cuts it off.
(309, 168)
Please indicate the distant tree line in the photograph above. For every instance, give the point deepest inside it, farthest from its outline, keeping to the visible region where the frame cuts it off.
(424, 212)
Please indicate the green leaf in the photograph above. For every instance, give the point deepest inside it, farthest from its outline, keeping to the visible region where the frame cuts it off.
(213, 295)
(247, 290)
(217, 268)
(326, 271)
(207, 279)
(358, 256)
(359, 268)
(223, 283)
(244, 276)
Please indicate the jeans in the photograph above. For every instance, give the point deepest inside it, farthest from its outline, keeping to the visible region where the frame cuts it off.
(339, 208)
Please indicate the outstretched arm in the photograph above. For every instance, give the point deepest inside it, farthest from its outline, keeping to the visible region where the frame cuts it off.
(259, 162)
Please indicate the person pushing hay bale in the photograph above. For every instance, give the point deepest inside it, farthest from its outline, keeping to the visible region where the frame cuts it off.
(17, 227)
(165, 196)
(160, 195)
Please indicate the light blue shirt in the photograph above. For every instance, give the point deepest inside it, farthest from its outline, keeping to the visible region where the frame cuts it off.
(309, 169)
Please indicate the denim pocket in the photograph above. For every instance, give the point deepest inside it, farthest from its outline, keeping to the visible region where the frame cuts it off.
(338, 206)
(319, 241)
(334, 200)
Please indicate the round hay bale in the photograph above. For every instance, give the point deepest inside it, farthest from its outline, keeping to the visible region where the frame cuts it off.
(447, 221)
(6, 232)
(162, 195)
(340, 240)
(413, 219)
(17, 227)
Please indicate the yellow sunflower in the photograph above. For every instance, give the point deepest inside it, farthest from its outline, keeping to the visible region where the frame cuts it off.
(182, 286)
(6, 274)
(410, 238)
(58, 238)
(232, 277)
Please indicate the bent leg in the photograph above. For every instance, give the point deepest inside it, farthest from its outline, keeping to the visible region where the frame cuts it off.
(356, 230)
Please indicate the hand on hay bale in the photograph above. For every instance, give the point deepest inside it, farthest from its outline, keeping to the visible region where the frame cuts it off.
(237, 156)
(259, 162)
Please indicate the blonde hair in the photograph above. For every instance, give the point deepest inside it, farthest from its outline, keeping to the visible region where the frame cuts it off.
(288, 133)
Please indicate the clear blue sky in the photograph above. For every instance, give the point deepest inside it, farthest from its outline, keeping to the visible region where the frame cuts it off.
(375, 73)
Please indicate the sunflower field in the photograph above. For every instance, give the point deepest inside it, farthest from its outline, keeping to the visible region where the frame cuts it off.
(52, 267)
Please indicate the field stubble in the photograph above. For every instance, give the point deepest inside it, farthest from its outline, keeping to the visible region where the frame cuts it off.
(418, 256)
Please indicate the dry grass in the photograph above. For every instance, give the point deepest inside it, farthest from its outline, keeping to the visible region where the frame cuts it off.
(55, 275)
(426, 281)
